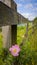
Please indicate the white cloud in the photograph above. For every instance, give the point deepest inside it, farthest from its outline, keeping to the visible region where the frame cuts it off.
(30, 16)
(29, 8)
(25, 15)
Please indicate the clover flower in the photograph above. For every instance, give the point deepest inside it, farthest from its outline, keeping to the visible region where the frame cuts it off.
(15, 49)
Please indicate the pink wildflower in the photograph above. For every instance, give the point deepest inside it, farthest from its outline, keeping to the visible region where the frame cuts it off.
(15, 49)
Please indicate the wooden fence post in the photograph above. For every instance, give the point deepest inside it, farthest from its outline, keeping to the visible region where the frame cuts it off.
(27, 30)
(6, 32)
(9, 35)
(33, 27)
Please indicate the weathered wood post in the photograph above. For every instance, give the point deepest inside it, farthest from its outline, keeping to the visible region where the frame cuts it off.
(32, 27)
(6, 29)
(6, 32)
(27, 26)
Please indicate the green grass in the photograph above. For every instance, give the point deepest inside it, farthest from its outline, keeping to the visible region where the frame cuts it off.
(1, 40)
(21, 30)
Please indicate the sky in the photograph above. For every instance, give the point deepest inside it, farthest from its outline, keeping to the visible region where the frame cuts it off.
(28, 8)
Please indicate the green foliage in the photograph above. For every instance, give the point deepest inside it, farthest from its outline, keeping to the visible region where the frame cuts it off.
(33, 40)
(1, 40)
(27, 56)
(5, 57)
(35, 20)
(20, 33)
(28, 53)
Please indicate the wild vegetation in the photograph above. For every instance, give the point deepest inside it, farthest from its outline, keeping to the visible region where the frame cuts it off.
(28, 53)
